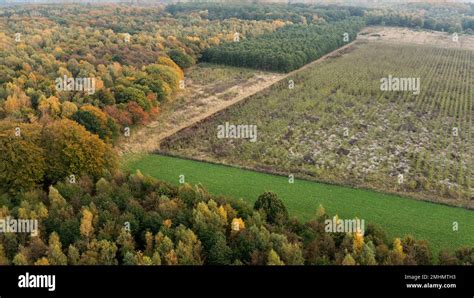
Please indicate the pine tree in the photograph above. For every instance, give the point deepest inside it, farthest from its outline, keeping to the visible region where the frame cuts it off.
(3, 257)
(20, 259)
(73, 256)
(348, 260)
(55, 254)
(86, 223)
(274, 259)
(367, 256)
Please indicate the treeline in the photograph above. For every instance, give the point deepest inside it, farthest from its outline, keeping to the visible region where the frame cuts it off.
(137, 220)
(447, 17)
(286, 49)
(413, 21)
(295, 13)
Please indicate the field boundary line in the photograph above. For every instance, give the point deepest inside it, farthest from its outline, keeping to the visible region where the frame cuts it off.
(402, 195)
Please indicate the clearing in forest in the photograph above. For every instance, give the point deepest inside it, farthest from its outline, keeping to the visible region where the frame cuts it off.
(208, 88)
(338, 124)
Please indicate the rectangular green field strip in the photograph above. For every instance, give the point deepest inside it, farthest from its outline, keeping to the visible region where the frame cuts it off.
(398, 216)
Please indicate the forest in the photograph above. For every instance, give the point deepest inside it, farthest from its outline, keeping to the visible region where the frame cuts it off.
(137, 220)
(286, 49)
(40, 45)
(316, 30)
(452, 18)
(295, 13)
(60, 165)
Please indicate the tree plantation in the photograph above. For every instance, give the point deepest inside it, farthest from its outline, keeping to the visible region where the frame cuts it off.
(397, 141)
(286, 49)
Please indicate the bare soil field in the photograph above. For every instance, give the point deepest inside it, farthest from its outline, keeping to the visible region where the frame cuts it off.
(410, 36)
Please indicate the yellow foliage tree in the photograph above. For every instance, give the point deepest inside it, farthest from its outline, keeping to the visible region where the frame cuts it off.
(348, 260)
(171, 258)
(149, 240)
(397, 256)
(358, 243)
(86, 228)
(222, 213)
(50, 107)
(55, 253)
(278, 24)
(67, 109)
(16, 101)
(42, 262)
(22, 160)
(3, 258)
(321, 212)
(72, 150)
(168, 62)
(237, 224)
(214, 41)
(167, 223)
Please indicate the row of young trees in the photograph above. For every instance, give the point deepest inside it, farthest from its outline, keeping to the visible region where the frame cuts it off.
(286, 49)
(137, 220)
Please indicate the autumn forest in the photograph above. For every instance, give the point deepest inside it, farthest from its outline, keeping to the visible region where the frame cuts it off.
(76, 80)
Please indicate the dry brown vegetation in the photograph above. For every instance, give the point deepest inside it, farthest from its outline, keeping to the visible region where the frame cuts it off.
(406, 35)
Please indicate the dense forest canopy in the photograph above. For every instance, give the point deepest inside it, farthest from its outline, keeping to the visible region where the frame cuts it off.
(452, 17)
(135, 56)
(448, 17)
(296, 13)
(288, 48)
(57, 131)
(137, 220)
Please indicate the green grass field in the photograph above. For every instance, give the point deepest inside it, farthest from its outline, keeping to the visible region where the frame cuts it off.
(398, 216)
